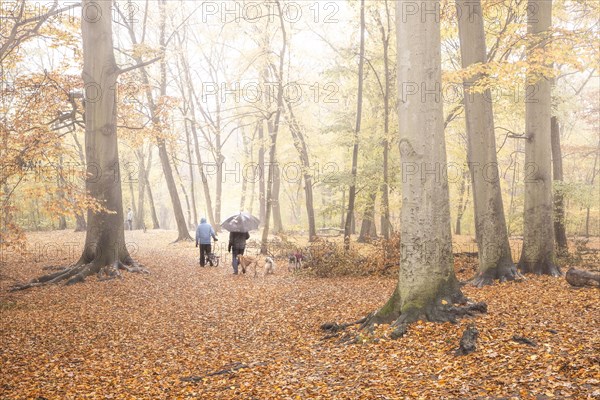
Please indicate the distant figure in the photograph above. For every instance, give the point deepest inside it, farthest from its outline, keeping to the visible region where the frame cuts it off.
(130, 219)
(237, 242)
(203, 234)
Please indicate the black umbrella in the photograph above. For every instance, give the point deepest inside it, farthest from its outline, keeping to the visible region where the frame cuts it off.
(242, 222)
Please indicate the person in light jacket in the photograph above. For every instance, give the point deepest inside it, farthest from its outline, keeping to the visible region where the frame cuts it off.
(203, 234)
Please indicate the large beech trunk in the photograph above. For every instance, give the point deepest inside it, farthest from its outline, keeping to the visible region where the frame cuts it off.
(537, 255)
(105, 238)
(495, 259)
(427, 287)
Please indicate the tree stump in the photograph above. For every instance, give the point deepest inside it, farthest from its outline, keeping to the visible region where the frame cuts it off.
(468, 342)
(580, 278)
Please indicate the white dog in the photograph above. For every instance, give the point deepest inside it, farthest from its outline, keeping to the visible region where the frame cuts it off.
(269, 266)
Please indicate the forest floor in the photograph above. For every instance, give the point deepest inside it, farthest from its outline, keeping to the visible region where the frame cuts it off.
(165, 335)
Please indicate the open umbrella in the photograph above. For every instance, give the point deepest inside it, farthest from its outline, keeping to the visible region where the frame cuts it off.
(242, 222)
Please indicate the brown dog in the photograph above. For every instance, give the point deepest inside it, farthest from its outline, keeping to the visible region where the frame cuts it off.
(246, 261)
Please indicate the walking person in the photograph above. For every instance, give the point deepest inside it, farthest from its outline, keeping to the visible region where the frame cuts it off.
(237, 245)
(130, 219)
(204, 232)
(238, 226)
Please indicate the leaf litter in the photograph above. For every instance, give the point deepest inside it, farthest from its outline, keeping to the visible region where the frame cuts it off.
(188, 332)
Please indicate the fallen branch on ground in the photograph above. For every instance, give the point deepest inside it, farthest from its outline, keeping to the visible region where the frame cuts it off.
(580, 278)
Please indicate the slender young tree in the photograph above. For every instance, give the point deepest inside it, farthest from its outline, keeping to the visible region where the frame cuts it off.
(359, 100)
(495, 259)
(273, 135)
(427, 287)
(560, 233)
(302, 148)
(537, 255)
(182, 229)
(386, 225)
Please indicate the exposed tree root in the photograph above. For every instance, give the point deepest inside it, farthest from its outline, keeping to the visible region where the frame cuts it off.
(437, 313)
(80, 271)
(447, 309)
(334, 327)
(180, 239)
(500, 273)
(542, 267)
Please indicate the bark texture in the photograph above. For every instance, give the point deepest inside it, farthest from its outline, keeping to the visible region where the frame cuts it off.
(105, 248)
(537, 256)
(427, 287)
(560, 233)
(495, 259)
(580, 278)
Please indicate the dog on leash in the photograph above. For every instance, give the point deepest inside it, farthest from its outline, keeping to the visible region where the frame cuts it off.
(246, 262)
(269, 266)
(295, 262)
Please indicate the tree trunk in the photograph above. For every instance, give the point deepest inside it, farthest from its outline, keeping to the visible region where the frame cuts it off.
(183, 233)
(261, 179)
(139, 215)
(247, 157)
(386, 226)
(580, 278)
(300, 144)
(193, 222)
(273, 134)
(277, 221)
(60, 181)
(219, 160)
(182, 229)
(560, 233)
(105, 237)
(203, 177)
(343, 211)
(155, 222)
(592, 179)
(368, 222)
(80, 224)
(352, 189)
(463, 200)
(495, 259)
(185, 196)
(537, 255)
(276, 186)
(427, 287)
(133, 206)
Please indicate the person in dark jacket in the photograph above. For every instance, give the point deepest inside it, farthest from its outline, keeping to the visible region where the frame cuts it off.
(203, 235)
(237, 243)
